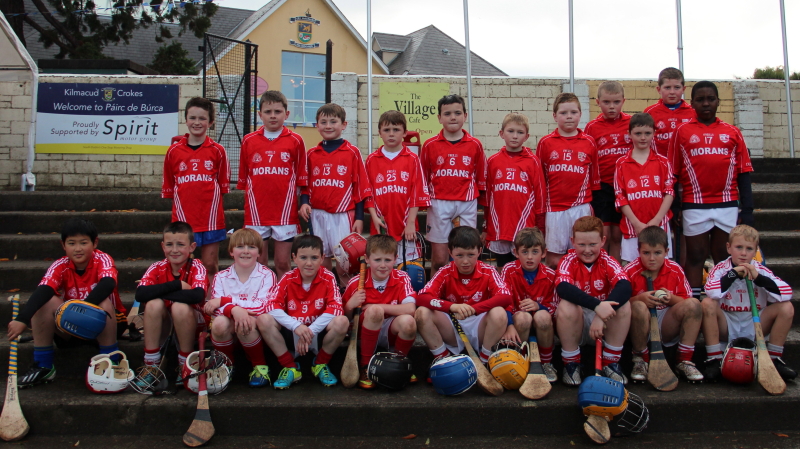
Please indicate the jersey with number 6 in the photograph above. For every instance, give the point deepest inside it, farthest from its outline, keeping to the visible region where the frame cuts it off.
(570, 168)
(667, 121)
(453, 171)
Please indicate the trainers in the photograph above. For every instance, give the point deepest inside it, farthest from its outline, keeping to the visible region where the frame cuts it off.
(149, 379)
(364, 381)
(572, 374)
(613, 372)
(37, 375)
(713, 370)
(259, 377)
(785, 372)
(287, 377)
(688, 371)
(639, 371)
(550, 372)
(324, 374)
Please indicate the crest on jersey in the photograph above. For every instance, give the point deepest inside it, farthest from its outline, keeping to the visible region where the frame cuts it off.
(341, 169)
(465, 281)
(632, 184)
(661, 124)
(451, 297)
(499, 175)
(319, 303)
(256, 158)
(477, 296)
(316, 171)
(581, 156)
(73, 293)
(657, 180)
(627, 138)
(602, 141)
(439, 160)
(523, 176)
(437, 302)
(466, 160)
(553, 155)
(182, 167)
(404, 175)
(724, 138)
(694, 139)
(209, 165)
(598, 284)
(379, 178)
(285, 156)
(292, 305)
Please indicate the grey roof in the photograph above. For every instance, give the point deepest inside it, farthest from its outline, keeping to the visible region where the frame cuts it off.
(142, 45)
(391, 42)
(425, 55)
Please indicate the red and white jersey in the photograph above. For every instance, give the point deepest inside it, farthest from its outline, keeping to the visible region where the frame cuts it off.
(667, 121)
(336, 180)
(736, 299)
(270, 172)
(397, 186)
(612, 140)
(707, 161)
(252, 295)
(597, 280)
(397, 289)
(454, 171)
(670, 277)
(161, 272)
(68, 284)
(450, 285)
(543, 289)
(196, 181)
(642, 187)
(306, 306)
(515, 193)
(570, 168)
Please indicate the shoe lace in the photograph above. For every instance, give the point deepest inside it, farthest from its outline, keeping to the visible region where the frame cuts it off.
(284, 374)
(322, 371)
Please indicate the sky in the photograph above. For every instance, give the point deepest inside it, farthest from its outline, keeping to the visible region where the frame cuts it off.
(617, 39)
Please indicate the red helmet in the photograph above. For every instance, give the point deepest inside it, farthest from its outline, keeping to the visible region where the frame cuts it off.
(349, 250)
(739, 361)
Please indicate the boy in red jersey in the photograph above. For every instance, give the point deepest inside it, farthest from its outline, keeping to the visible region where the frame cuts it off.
(163, 293)
(398, 187)
(679, 315)
(387, 304)
(85, 273)
(240, 294)
(726, 310)
(643, 187)
(594, 292)
(196, 175)
(455, 169)
(272, 165)
(711, 162)
(515, 194)
(610, 133)
(532, 286)
(671, 110)
(338, 187)
(306, 312)
(571, 171)
(469, 289)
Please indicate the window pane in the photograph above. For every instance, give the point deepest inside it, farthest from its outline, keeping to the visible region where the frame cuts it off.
(292, 87)
(311, 112)
(295, 111)
(291, 63)
(315, 89)
(315, 65)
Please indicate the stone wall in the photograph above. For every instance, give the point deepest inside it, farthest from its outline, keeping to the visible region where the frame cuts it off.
(776, 124)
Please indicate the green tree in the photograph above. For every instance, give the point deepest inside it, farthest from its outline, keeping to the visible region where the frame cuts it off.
(79, 32)
(773, 73)
(173, 59)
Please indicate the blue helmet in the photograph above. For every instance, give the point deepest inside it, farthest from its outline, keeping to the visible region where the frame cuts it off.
(416, 272)
(453, 375)
(81, 319)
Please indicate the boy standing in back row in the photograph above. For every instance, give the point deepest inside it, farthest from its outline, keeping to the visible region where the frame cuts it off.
(671, 110)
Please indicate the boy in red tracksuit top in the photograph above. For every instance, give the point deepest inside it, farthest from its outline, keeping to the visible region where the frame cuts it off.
(671, 110)
(470, 290)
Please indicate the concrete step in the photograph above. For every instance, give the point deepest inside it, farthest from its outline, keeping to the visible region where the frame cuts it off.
(776, 219)
(780, 243)
(776, 165)
(127, 222)
(787, 268)
(26, 274)
(775, 177)
(775, 196)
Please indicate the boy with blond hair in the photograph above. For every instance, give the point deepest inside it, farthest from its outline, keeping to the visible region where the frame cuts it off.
(670, 110)
(272, 166)
(726, 310)
(571, 171)
(610, 133)
(338, 186)
(532, 286)
(515, 193)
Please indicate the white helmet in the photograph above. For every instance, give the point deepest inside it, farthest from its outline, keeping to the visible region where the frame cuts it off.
(104, 377)
(218, 371)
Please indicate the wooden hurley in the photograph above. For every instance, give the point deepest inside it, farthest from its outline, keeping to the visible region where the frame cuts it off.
(13, 425)
(768, 375)
(536, 385)
(202, 429)
(486, 381)
(596, 427)
(350, 367)
(659, 373)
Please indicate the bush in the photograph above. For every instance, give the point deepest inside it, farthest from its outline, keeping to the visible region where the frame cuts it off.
(773, 73)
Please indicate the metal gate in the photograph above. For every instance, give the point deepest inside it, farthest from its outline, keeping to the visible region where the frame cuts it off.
(230, 68)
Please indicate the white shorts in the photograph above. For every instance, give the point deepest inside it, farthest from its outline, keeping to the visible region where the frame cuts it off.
(470, 326)
(441, 214)
(559, 227)
(331, 228)
(698, 221)
(383, 335)
(661, 313)
(412, 251)
(278, 233)
(501, 246)
(629, 249)
(588, 317)
(312, 348)
(740, 324)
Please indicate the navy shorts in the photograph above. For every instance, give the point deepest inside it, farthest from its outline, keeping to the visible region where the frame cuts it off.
(603, 205)
(209, 237)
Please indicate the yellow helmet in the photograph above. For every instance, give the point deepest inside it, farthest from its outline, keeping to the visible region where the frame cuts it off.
(508, 365)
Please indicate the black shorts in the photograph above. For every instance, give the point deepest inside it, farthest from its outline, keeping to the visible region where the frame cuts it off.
(603, 205)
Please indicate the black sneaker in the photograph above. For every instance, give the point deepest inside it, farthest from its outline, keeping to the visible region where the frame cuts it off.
(713, 370)
(37, 375)
(785, 372)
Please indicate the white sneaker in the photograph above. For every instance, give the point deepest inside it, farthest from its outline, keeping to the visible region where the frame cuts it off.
(689, 371)
(639, 371)
(550, 372)
(613, 372)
